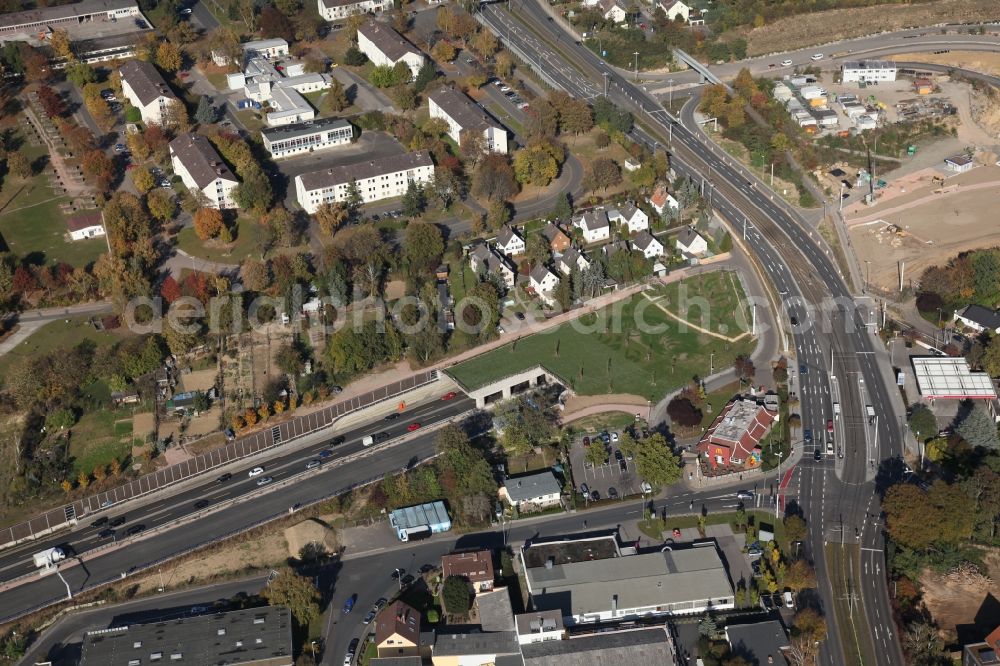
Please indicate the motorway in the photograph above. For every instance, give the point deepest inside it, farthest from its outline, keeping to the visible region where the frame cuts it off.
(245, 505)
(830, 326)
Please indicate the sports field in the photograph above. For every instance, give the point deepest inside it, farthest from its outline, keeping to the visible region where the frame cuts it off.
(634, 346)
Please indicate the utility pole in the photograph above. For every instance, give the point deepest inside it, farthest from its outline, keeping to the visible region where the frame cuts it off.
(670, 102)
(605, 85)
(841, 197)
(636, 54)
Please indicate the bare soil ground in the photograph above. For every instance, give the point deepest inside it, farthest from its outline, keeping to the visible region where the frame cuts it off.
(980, 61)
(934, 227)
(248, 363)
(954, 602)
(804, 30)
(199, 380)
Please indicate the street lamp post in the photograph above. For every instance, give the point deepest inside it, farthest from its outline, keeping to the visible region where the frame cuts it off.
(605, 85)
(636, 54)
(711, 364)
(670, 93)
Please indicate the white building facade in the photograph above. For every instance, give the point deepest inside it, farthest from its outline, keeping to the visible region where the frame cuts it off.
(334, 10)
(462, 115)
(202, 170)
(146, 90)
(307, 137)
(376, 179)
(868, 71)
(385, 46)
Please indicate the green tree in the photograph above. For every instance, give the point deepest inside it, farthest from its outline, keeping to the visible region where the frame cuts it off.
(494, 178)
(537, 249)
(455, 594)
(19, 165)
(80, 74)
(254, 192)
(354, 57)
(423, 246)
(596, 454)
(795, 528)
(425, 76)
(415, 200)
(535, 165)
(978, 429)
(656, 463)
(335, 100)
(353, 198)
(297, 593)
(161, 205)
(330, 216)
(606, 173)
(143, 179)
(205, 113)
(168, 56)
(991, 356)
(923, 423)
(924, 645)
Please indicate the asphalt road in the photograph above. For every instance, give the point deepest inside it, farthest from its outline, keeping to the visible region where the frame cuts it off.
(802, 273)
(207, 523)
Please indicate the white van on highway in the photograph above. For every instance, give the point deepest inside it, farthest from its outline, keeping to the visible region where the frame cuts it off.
(368, 440)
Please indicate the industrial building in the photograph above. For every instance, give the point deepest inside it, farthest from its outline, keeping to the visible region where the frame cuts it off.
(868, 71)
(253, 637)
(594, 580)
(414, 522)
(15, 25)
(949, 377)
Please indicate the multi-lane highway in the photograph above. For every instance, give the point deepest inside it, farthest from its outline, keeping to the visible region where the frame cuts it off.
(245, 503)
(830, 337)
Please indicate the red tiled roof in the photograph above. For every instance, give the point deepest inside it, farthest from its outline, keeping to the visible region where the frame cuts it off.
(78, 222)
(742, 446)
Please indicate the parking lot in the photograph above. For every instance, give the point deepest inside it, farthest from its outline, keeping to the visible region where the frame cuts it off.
(618, 474)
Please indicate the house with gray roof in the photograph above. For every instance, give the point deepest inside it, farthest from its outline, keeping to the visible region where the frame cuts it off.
(979, 318)
(539, 626)
(634, 219)
(624, 587)
(465, 116)
(334, 10)
(570, 259)
(202, 170)
(648, 244)
(509, 241)
(544, 282)
(483, 260)
(385, 46)
(691, 243)
(613, 648)
(594, 225)
(146, 90)
(376, 179)
(476, 648)
(539, 490)
(760, 643)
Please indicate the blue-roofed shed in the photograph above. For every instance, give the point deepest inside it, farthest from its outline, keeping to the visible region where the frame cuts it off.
(414, 522)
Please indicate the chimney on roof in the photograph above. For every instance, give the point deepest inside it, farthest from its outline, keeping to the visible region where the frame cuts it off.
(550, 562)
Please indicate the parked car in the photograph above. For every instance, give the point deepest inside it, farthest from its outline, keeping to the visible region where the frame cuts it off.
(584, 489)
(614, 437)
(613, 493)
(816, 56)
(370, 616)
(646, 487)
(594, 496)
(103, 520)
(256, 471)
(391, 416)
(106, 533)
(407, 580)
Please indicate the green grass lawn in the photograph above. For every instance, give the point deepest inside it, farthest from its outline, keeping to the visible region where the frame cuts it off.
(461, 279)
(247, 232)
(98, 438)
(630, 347)
(56, 334)
(728, 312)
(252, 119)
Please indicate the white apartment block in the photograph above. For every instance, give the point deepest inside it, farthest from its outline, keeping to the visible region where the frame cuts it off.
(376, 179)
(868, 70)
(201, 168)
(146, 90)
(385, 46)
(463, 115)
(333, 10)
(265, 48)
(307, 137)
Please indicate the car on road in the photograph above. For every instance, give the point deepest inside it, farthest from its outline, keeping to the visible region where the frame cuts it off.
(391, 417)
(803, 369)
(325, 453)
(613, 492)
(352, 649)
(256, 471)
(817, 454)
(201, 504)
(225, 477)
(264, 480)
(195, 610)
(381, 436)
(786, 63)
(116, 522)
(807, 435)
(103, 520)
(349, 604)
(816, 56)
(449, 395)
(313, 464)
(585, 489)
(413, 426)
(829, 426)
(106, 533)
(744, 495)
(338, 440)
(135, 529)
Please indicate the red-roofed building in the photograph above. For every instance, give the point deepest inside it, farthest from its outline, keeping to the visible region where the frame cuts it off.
(733, 440)
(88, 225)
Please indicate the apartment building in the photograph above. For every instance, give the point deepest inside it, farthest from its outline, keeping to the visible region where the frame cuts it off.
(307, 137)
(146, 90)
(465, 116)
(376, 179)
(385, 46)
(201, 168)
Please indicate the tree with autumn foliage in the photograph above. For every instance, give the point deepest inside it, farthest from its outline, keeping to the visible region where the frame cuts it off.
(100, 169)
(208, 223)
(170, 290)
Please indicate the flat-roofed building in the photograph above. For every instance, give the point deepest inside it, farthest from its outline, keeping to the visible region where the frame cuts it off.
(307, 137)
(333, 10)
(623, 587)
(64, 17)
(385, 46)
(949, 378)
(464, 116)
(253, 637)
(376, 179)
(146, 90)
(853, 71)
(265, 48)
(202, 170)
(646, 647)
(420, 520)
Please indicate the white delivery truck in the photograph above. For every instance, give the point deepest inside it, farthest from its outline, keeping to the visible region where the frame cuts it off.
(836, 410)
(870, 412)
(48, 558)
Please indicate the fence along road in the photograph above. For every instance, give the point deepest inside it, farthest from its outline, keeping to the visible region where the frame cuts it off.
(262, 440)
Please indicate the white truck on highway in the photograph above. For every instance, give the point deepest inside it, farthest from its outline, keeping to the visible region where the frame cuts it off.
(48, 558)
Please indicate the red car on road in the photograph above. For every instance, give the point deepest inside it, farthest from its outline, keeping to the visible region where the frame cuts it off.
(829, 425)
(449, 395)
(413, 426)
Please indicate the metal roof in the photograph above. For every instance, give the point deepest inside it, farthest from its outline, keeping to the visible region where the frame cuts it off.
(432, 513)
(950, 377)
(613, 648)
(637, 581)
(317, 180)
